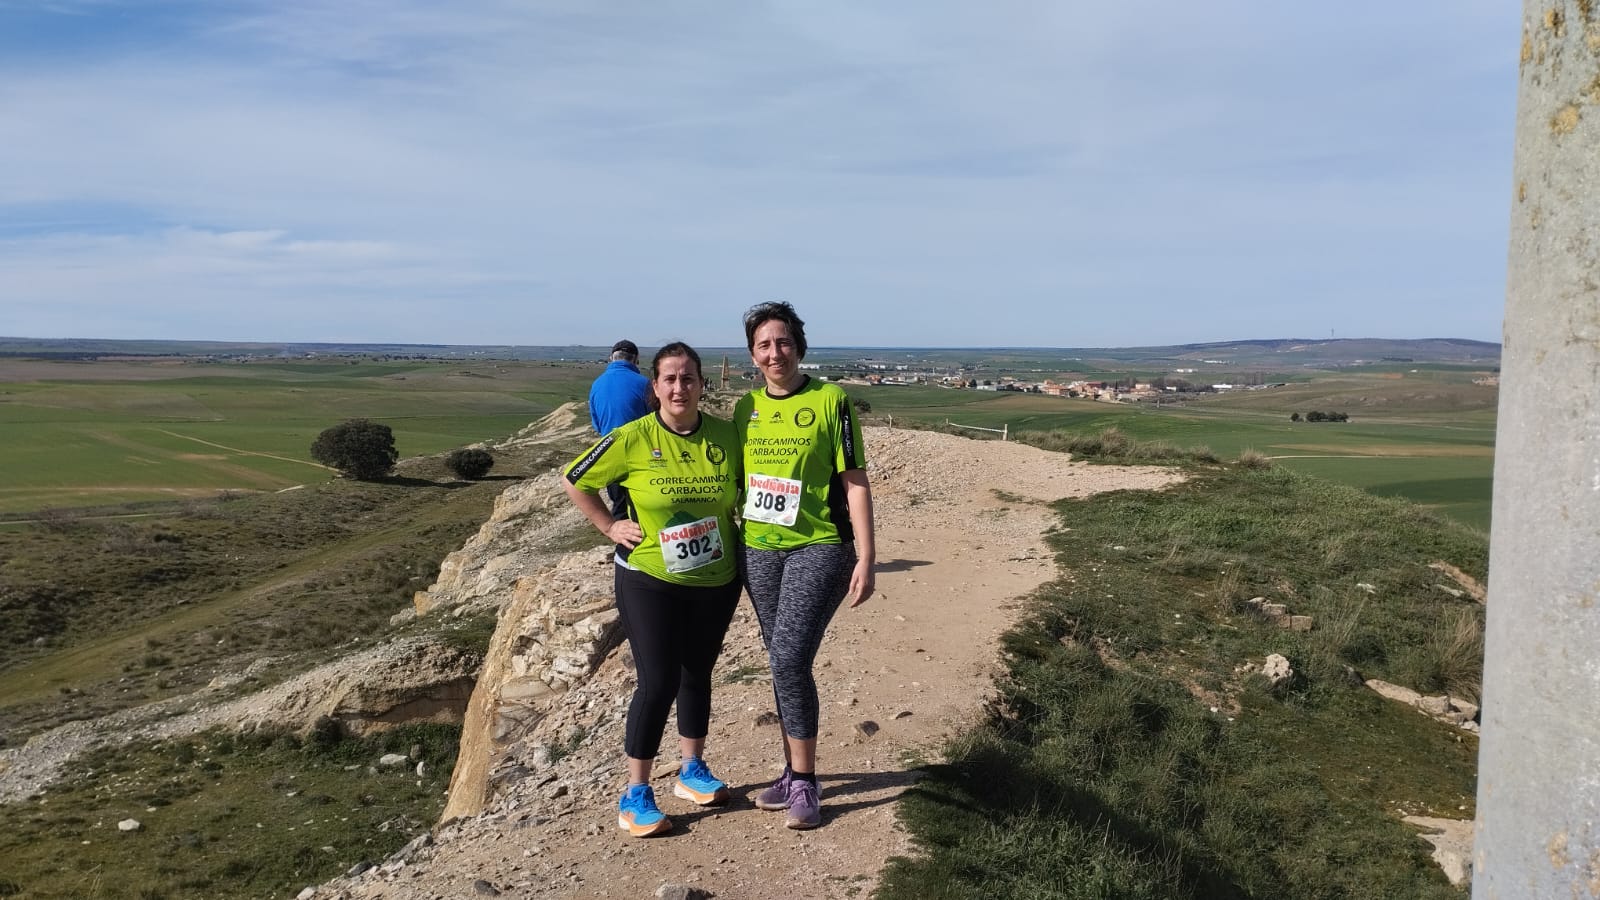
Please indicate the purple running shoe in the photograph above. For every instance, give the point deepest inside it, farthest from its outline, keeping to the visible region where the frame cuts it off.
(805, 805)
(777, 795)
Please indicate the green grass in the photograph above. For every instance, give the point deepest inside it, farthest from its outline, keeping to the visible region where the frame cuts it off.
(89, 434)
(99, 613)
(1427, 437)
(208, 584)
(224, 816)
(1128, 757)
(1113, 446)
(1458, 487)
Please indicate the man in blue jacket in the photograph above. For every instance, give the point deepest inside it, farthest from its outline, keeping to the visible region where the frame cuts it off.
(620, 394)
(617, 397)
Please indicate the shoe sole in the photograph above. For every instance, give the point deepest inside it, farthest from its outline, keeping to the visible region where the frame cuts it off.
(684, 792)
(644, 830)
(801, 824)
(768, 804)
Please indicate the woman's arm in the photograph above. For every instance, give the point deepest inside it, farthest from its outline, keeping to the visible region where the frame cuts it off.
(858, 497)
(620, 531)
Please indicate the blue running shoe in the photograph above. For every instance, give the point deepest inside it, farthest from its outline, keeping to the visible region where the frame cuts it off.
(697, 785)
(637, 813)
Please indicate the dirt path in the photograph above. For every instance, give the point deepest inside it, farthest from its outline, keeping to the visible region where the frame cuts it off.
(961, 530)
(246, 452)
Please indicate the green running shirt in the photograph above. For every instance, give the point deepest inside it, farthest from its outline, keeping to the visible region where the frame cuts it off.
(682, 490)
(795, 447)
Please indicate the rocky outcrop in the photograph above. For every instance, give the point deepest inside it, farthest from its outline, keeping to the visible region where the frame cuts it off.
(530, 527)
(1452, 845)
(556, 629)
(1447, 709)
(417, 679)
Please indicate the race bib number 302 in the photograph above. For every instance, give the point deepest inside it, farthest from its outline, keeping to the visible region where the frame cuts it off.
(773, 500)
(689, 546)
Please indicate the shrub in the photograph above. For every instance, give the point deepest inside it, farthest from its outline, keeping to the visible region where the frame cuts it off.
(326, 733)
(359, 448)
(1253, 459)
(861, 405)
(469, 464)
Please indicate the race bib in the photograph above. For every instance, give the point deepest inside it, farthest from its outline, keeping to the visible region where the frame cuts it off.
(687, 547)
(770, 499)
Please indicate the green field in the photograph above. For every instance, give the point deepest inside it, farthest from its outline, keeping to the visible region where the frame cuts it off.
(1427, 437)
(81, 434)
(75, 434)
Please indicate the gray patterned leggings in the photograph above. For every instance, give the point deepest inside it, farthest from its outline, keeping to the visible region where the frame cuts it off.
(796, 593)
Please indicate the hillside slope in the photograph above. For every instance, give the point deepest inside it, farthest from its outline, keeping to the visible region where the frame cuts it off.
(960, 527)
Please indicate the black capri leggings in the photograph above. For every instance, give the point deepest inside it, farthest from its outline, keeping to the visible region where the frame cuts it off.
(675, 633)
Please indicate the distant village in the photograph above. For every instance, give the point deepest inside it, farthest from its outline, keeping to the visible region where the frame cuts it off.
(963, 378)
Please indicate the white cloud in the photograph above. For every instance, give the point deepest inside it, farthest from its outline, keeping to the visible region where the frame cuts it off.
(1229, 167)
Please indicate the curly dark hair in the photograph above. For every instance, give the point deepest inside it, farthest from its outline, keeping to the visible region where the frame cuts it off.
(762, 313)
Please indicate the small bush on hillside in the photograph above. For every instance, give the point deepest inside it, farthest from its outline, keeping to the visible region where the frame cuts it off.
(861, 405)
(1253, 459)
(359, 448)
(470, 464)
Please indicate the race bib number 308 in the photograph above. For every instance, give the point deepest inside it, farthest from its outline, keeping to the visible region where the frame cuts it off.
(692, 545)
(773, 500)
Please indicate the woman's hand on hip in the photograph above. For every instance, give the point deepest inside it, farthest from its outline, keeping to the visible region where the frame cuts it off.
(625, 532)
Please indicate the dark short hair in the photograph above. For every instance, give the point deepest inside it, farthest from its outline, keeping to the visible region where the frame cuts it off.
(676, 348)
(762, 313)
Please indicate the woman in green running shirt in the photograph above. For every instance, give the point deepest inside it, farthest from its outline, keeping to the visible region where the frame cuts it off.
(676, 577)
(808, 541)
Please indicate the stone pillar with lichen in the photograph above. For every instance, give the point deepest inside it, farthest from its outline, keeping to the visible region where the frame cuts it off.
(1538, 828)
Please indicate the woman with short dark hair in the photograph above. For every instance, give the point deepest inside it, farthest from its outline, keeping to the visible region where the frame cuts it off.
(808, 540)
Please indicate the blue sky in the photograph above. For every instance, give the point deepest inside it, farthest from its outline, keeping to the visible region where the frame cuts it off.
(929, 174)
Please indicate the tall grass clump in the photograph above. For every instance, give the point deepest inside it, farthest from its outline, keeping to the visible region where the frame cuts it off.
(1130, 754)
(1251, 458)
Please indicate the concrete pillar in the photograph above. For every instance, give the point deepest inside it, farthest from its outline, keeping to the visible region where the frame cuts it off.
(1538, 829)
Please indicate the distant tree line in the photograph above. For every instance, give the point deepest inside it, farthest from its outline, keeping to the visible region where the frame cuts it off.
(1319, 416)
